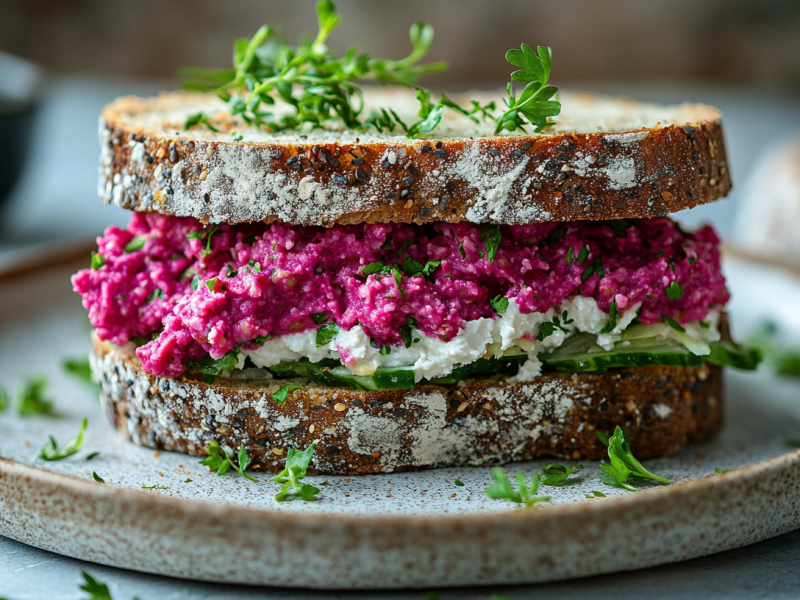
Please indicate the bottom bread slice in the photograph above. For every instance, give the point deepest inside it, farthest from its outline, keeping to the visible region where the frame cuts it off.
(359, 432)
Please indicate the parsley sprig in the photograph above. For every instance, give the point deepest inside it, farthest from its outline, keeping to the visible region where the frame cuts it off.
(320, 87)
(219, 461)
(31, 399)
(623, 464)
(502, 489)
(295, 469)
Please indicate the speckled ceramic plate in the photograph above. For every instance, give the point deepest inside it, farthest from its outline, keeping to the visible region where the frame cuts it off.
(381, 531)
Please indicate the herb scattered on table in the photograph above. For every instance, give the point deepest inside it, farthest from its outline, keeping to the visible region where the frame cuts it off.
(50, 450)
(97, 477)
(92, 455)
(624, 465)
(459, 483)
(218, 460)
(784, 361)
(31, 399)
(279, 397)
(556, 474)
(718, 470)
(295, 469)
(501, 489)
(154, 487)
(4, 399)
(81, 369)
(595, 494)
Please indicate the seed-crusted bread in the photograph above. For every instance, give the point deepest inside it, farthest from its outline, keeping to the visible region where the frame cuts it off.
(472, 423)
(605, 158)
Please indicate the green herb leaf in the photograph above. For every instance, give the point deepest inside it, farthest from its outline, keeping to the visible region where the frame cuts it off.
(319, 318)
(499, 304)
(326, 333)
(92, 455)
(595, 494)
(612, 318)
(558, 234)
(492, 243)
(157, 293)
(136, 243)
(459, 483)
(556, 474)
(280, 396)
(372, 268)
(50, 450)
(718, 470)
(31, 400)
(673, 323)
(570, 258)
(398, 280)
(4, 399)
(197, 119)
(583, 255)
(674, 291)
(97, 477)
(534, 104)
(623, 464)
(155, 486)
(214, 367)
(218, 460)
(97, 261)
(95, 589)
(294, 470)
(501, 489)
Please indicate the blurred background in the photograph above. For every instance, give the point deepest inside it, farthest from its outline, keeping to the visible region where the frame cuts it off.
(740, 55)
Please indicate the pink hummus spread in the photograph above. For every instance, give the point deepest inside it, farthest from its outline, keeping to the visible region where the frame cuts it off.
(188, 290)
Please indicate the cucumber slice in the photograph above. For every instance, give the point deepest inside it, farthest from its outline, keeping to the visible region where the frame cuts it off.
(507, 365)
(581, 353)
(726, 353)
(331, 373)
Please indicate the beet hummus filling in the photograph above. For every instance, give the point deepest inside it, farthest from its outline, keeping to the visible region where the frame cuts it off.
(434, 296)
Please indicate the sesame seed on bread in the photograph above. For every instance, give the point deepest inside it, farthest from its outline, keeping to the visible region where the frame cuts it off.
(356, 432)
(605, 158)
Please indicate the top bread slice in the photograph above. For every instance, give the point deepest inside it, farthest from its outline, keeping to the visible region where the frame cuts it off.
(605, 158)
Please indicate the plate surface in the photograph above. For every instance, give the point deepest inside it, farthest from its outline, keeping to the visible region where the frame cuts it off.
(381, 531)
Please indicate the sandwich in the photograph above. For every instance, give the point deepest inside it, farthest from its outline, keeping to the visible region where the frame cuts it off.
(400, 280)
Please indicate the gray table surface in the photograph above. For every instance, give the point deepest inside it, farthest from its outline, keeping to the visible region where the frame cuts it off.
(63, 204)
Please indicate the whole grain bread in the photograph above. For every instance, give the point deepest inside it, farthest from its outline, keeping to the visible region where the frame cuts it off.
(606, 158)
(355, 432)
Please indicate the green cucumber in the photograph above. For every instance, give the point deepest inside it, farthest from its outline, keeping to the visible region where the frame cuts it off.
(726, 353)
(331, 373)
(507, 365)
(580, 353)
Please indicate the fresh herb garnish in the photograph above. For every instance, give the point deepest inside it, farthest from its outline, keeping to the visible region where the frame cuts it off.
(718, 470)
(280, 396)
(205, 236)
(558, 234)
(556, 474)
(595, 494)
(499, 304)
(157, 293)
(548, 328)
(785, 362)
(459, 483)
(583, 255)
(623, 464)
(80, 368)
(4, 399)
(372, 268)
(31, 400)
(50, 450)
(197, 119)
(405, 331)
(319, 318)
(136, 243)
(326, 333)
(97, 261)
(501, 489)
(673, 323)
(155, 486)
(534, 103)
(491, 242)
(230, 272)
(92, 455)
(674, 291)
(612, 318)
(570, 258)
(211, 283)
(218, 460)
(294, 470)
(95, 589)
(97, 477)
(398, 280)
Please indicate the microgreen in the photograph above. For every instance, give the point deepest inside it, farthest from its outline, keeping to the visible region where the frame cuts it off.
(294, 470)
(205, 236)
(280, 396)
(326, 333)
(405, 331)
(92, 455)
(218, 460)
(499, 304)
(501, 489)
(556, 474)
(31, 400)
(623, 465)
(214, 367)
(51, 451)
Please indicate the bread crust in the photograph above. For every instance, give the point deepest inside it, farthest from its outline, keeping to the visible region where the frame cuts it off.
(478, 423)
(340, 179)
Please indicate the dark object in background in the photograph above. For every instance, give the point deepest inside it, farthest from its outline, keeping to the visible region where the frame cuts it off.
(16, 121)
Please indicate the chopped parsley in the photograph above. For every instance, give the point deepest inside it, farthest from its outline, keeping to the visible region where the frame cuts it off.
(595, 494)
(326, 333)
(214, 367)
(295, 469)
(31, 399)
(155, 486)
(499, 304)
(558, 234)
(491, 241)
(136, 243)
(398, 280)
(461, 250)
(718, 470)
(674, 291)
(596, 268)
(673, 323)
(218, 460)
(372, 268)
(97, 261)
(612, 318)
(583, 254)
(95, 589)
(97, 477)
(205, 236)
(157, 293)
(197, 119)
(556, 474)
(319, 318)
(548, 328)
(623, 465)
(570, 258)
(280, 396)
(459, 483)
(92, 455)
(79, 368)
(51, 451)
(501, 489)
